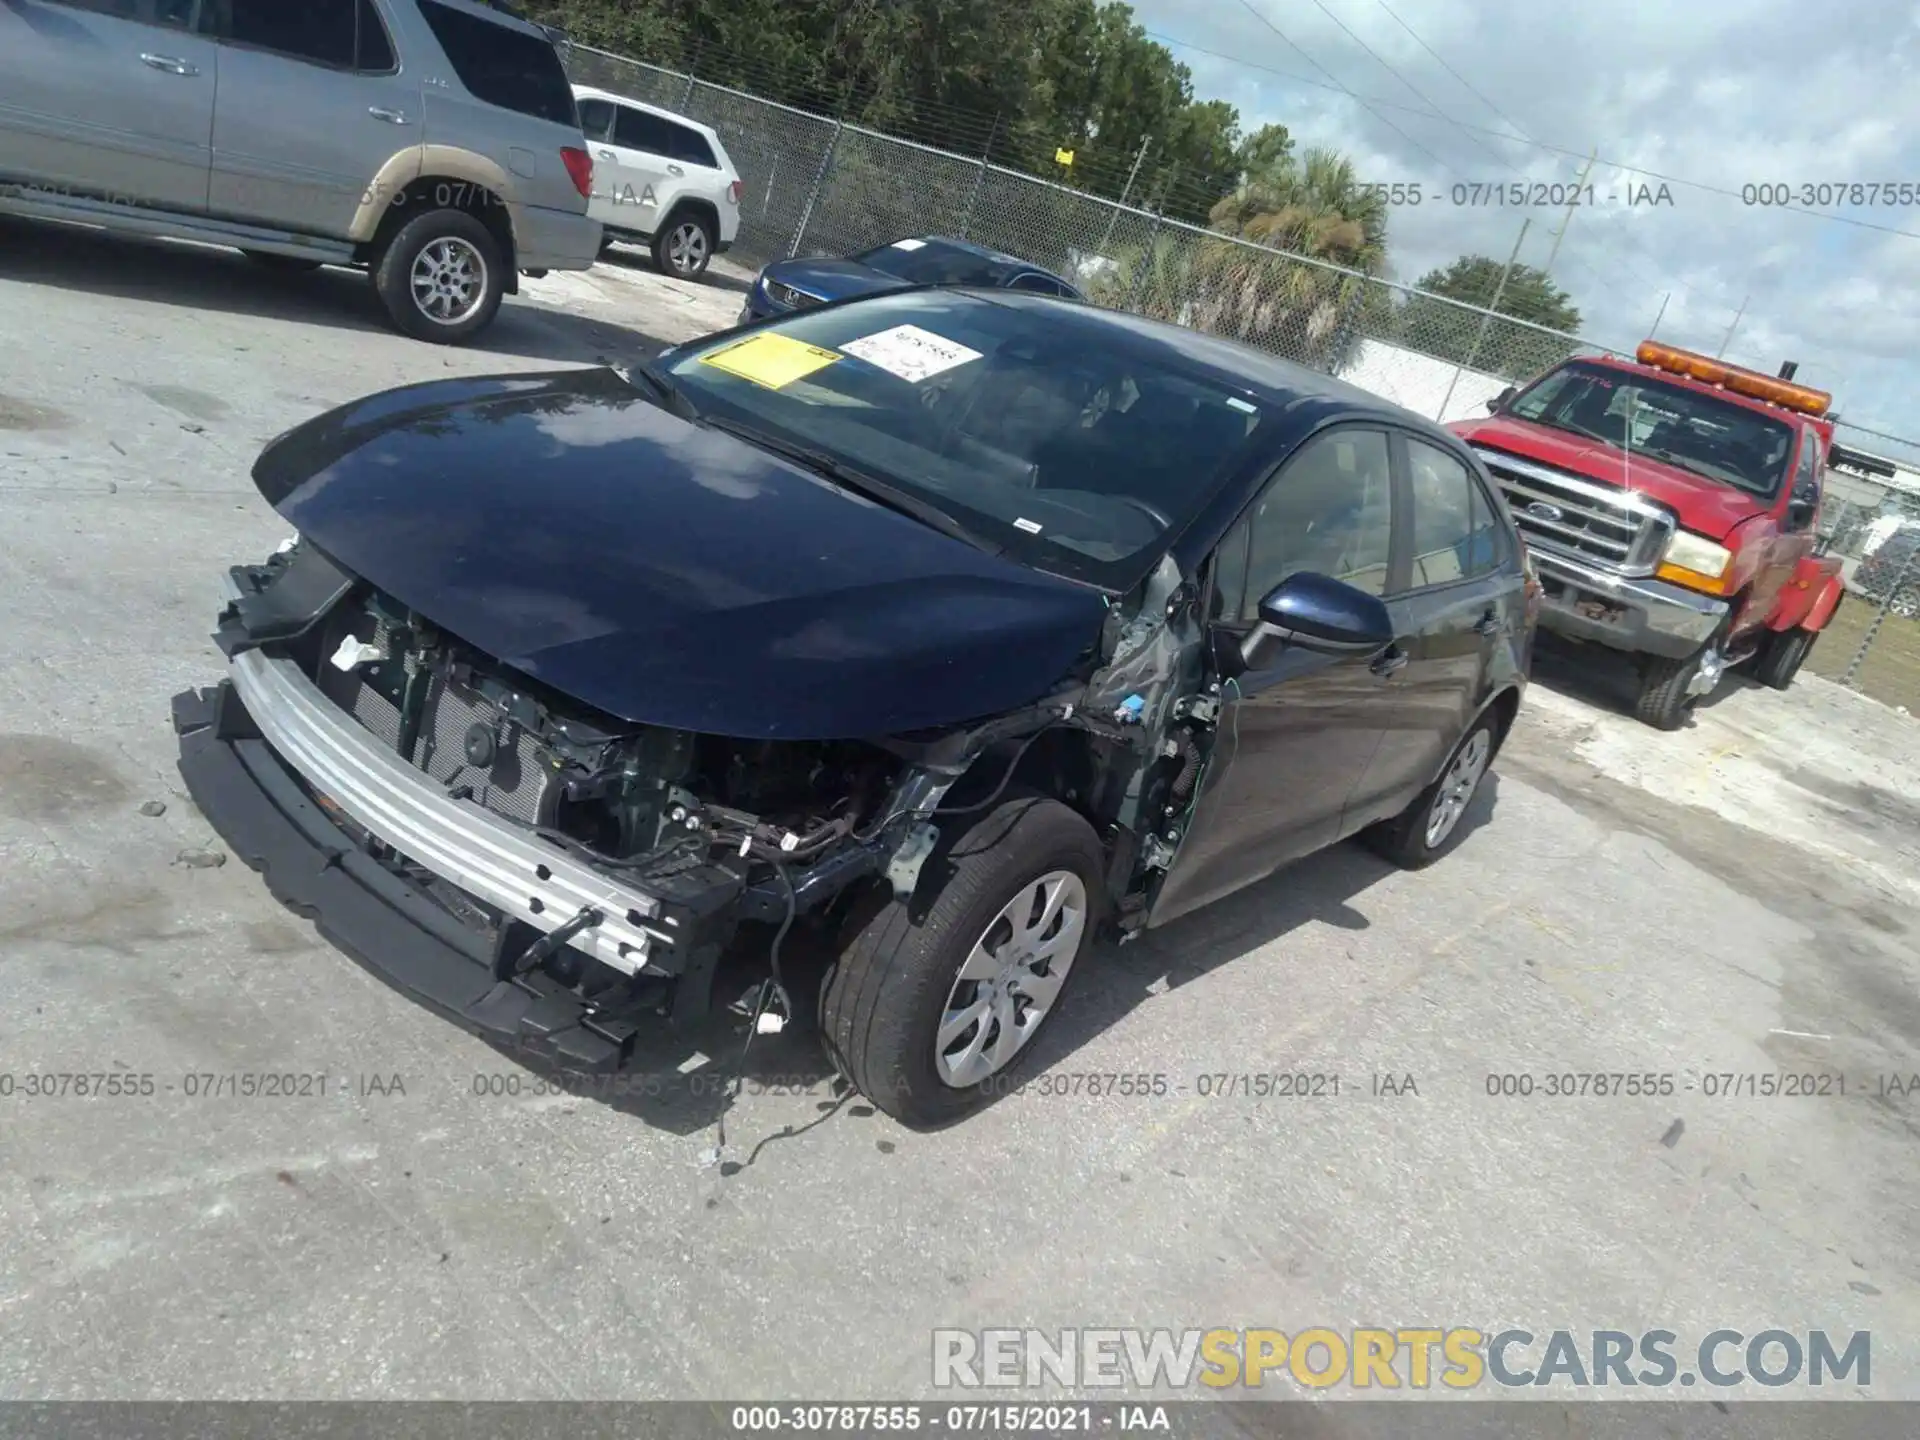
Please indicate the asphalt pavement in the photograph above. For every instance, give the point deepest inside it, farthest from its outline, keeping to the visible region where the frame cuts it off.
(415, 1221)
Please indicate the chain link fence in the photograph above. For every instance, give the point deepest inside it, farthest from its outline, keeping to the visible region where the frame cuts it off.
(812, 185)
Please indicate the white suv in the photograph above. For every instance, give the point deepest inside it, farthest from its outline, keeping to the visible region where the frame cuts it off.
(661, 178)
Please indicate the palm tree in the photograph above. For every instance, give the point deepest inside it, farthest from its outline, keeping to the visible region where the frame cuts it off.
(1314, 209)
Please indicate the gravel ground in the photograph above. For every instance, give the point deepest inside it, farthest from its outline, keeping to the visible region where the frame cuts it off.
(1737, 897)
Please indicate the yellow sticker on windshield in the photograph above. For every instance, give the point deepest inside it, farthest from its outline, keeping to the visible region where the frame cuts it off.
(771, 360)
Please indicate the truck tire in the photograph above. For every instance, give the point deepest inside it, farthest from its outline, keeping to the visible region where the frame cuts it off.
(1430, 826)
(1666, 697)
(1013, 895)
(1783, 656)
(441, 276)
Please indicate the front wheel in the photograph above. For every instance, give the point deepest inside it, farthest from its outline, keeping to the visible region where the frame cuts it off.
(1669, 689)
(441, 277)
(1430, 826)
(931, 1003)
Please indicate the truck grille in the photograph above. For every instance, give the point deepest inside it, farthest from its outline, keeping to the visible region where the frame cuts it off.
(1610, 528)
(514, 784)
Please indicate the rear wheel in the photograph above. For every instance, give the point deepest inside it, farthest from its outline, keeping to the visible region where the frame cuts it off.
(931, 1003)
(1430, 826)
(1906, 602)
(683, 246)
(441, 277)
(1783, 656)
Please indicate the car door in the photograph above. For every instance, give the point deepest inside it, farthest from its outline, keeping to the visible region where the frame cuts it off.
(1296, 734)
(640, 158)
(107, 99)
(1463, 596)
(1793, 538)
(313, 103)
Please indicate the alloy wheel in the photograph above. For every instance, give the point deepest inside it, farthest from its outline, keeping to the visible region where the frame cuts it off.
(687, 248)
(1010, 979)
(449, 280)
(1457, 786)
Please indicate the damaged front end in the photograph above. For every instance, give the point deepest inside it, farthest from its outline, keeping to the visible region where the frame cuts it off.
(560, 880)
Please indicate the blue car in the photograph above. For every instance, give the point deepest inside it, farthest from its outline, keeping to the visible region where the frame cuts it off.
(920, 639)
(921, 260)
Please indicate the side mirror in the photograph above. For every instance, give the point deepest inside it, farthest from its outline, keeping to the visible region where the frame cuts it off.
(1499, 402)
(1319, 613)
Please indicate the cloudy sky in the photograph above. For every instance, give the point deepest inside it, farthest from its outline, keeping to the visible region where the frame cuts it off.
(1712, 96)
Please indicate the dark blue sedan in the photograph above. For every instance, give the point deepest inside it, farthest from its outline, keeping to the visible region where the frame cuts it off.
(928, 637)
(922, 260)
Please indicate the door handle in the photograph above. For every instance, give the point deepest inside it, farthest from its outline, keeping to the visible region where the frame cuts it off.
(608, 155)
(392, 117)
(1491, 624)
(170, 64)
(675, 170)
(1390, 662)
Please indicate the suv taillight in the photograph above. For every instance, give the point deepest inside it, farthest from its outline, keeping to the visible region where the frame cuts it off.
(733, 192)
(580, 166)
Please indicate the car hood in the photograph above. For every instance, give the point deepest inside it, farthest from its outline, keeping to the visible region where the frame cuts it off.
(1704, 506)
(666, 573)
(833, 279)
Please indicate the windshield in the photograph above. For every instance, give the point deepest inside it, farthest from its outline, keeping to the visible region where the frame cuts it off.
(1713, 438)
(929, 262)
(1059, 439)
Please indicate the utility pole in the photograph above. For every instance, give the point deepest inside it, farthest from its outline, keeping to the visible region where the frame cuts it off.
(1572, 205)
(1486, 319)
(1718, 354)
(1133, 174)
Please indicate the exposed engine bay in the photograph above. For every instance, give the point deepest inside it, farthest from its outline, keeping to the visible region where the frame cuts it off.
(731, 831)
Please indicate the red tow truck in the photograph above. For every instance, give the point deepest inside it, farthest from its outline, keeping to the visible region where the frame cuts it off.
(1669, 506)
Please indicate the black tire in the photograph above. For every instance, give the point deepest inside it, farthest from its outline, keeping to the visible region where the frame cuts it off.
(1405, 838)
(1664, 701)
(284, 264)
(1780, 660)
(883, 1001)
(676, 237)
(393, 275)
(1905, 602)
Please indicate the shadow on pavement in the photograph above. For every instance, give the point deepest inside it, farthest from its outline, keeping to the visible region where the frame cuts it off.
(204, 278)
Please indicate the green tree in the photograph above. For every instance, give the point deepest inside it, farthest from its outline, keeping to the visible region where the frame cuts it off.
(1452, 332)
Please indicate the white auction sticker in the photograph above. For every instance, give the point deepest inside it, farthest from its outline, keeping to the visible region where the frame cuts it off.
(910, 352)
(907, 244)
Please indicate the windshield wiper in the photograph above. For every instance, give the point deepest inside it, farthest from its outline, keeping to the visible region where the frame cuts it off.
(832, 467)
(649, 376)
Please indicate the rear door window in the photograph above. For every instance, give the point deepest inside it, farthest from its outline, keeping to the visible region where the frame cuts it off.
(642, 130)
(173, 14)
(1453, 535)
(596, 119)
(690, 147)
(503, 66)
(339, 34)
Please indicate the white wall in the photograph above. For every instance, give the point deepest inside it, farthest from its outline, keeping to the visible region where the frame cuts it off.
(1419, 382)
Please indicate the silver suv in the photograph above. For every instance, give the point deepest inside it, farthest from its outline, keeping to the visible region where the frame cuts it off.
(433, 143)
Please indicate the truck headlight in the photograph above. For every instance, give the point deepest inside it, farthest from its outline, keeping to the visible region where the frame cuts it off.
(1695, 562)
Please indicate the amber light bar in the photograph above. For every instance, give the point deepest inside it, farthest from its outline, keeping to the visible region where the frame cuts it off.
(1750, 383)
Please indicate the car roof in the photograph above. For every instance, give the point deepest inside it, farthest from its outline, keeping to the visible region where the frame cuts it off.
(594, 92)
(999, 258)
(501, 13)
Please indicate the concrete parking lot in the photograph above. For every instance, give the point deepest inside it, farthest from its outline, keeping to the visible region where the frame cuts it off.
(1739, 898)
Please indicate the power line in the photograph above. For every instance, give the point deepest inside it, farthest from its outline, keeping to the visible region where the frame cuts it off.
(1247, 5)
(1455, 73)
(1562, 150)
